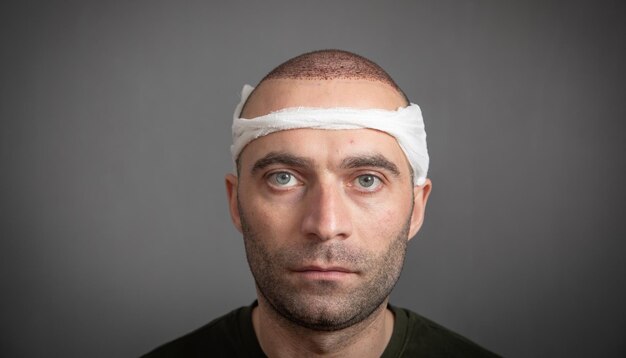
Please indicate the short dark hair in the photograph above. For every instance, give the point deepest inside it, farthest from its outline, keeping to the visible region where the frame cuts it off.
(329, 65)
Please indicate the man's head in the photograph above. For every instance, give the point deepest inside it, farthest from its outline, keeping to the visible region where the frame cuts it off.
(325, 214)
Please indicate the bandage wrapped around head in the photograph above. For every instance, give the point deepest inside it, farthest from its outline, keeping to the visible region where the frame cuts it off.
(404, 124)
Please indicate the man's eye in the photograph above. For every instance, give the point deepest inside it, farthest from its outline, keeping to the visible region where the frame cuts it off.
(368, 181)
(283, 179)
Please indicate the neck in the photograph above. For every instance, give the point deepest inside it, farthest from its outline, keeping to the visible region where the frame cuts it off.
(280, 337)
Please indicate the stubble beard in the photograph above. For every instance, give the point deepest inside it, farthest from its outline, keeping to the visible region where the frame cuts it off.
(327, 307)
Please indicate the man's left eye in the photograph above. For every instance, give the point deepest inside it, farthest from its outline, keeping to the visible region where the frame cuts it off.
(368, 181)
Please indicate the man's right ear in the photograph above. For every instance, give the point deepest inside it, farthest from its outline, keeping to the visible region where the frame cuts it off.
(231, 190)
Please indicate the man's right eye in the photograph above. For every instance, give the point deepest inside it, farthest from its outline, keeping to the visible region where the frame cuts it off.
(283, 179)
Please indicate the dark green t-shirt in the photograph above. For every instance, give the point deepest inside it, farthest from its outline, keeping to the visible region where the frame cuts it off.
(232, 335)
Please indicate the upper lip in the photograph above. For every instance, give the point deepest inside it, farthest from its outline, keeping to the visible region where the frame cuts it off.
(323, 268)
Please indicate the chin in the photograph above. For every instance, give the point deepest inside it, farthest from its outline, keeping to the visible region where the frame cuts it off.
(322, 312)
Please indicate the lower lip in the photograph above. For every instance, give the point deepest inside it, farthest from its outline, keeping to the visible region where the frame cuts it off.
(324, 275)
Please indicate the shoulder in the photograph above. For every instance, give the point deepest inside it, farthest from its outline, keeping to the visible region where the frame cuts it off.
(424, 337)
(228, 335)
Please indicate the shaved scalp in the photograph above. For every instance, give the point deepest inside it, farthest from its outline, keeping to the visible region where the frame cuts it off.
(332, 65)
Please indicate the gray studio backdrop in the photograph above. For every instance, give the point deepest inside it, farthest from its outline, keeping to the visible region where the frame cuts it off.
(114, 135)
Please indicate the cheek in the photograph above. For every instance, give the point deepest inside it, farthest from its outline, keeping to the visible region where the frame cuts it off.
(269, 220)
(379, 224)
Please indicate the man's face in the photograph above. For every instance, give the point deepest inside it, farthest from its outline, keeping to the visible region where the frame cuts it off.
(325, 214)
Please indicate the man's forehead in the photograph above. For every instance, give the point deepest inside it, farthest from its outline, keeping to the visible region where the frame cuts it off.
(339, 104)
(276, 94)
(317, 148)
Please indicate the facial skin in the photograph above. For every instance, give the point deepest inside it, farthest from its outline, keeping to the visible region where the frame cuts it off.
(325, 214)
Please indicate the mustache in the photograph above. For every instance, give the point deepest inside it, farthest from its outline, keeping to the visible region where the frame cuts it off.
(331, 253)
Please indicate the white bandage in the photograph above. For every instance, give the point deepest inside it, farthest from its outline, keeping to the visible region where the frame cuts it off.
(405, 125)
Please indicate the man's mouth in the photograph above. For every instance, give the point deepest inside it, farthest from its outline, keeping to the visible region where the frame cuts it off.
(315, 272)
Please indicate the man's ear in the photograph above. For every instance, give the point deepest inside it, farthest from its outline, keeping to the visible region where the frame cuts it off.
(231, 191)
(420, 197)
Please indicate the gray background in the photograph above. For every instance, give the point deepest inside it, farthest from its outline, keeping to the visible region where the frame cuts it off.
(114, 134)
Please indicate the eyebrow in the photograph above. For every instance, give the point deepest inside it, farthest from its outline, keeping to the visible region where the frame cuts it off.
(375, 160)
(352, 162)
(281, 158)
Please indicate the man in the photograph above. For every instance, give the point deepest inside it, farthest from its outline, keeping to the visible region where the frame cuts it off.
(331, 185)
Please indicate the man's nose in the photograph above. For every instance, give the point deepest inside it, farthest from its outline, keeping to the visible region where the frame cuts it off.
(327, 213)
